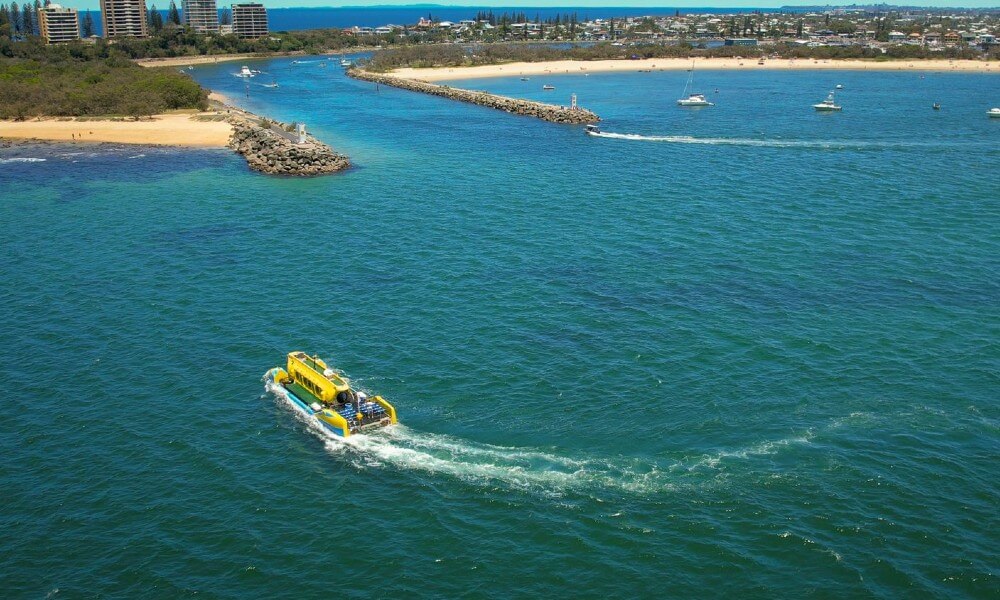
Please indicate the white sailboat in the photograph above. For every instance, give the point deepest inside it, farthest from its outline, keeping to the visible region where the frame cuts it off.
(692, 99)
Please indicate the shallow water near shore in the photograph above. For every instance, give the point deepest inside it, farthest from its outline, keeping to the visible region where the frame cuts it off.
(744, 350)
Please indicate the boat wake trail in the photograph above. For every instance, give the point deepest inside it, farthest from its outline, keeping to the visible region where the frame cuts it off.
(5, 161)
(765, 143)
(532, 469)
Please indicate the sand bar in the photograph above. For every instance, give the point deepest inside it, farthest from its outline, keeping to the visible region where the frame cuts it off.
(520, 69)
(183, 61)
(161, 130)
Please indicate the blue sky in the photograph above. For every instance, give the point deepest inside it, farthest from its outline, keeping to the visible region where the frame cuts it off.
(94, 4)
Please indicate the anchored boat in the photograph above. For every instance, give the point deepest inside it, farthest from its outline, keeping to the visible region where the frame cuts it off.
(828, 105)
(693, 99)
(319, 392)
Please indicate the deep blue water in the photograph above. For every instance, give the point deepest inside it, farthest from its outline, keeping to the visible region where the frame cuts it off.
(751, 352)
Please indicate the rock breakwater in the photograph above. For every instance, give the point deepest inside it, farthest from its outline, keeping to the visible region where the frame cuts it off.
(530, 108)
(269, 148)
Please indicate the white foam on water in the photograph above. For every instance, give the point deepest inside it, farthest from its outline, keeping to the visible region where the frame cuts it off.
(764, 448)
(767, 143)
(517, 467)
(523, 467)
(4, 161)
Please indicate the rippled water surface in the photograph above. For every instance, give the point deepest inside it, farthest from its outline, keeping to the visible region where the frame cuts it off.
(748, 350)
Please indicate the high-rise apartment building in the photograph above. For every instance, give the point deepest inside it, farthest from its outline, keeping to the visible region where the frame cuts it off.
(202, 16)
(249, 20)
(124, 18)
(58, 24)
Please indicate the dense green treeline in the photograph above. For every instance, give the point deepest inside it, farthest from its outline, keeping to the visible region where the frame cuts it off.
(76, 80)
(488, 54)
(179, 41)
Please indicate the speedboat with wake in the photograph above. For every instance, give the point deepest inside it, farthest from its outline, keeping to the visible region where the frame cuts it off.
(319, 393)
(592, 130)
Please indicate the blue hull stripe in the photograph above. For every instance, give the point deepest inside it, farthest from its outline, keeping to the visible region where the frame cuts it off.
(308, 411)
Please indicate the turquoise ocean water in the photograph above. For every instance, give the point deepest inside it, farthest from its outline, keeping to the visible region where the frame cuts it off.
(751, 351)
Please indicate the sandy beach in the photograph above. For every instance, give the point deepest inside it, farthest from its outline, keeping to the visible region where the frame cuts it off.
(162, 130)
(674, 64)
(183, 61)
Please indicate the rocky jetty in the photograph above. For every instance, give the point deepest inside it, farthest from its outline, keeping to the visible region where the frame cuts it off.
(270, 149)
(517, 106)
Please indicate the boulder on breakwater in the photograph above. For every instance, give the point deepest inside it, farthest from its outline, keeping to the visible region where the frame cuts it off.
(530, 108)
(269, 149)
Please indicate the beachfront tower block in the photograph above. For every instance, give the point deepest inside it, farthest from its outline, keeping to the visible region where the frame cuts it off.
(201, 16)
(124, 18)
(58, 24)
(249, 20)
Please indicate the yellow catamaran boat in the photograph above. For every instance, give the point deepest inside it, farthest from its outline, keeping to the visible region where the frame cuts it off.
(318, 392)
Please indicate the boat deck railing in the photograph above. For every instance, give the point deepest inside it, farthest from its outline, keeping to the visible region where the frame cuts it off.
(371, 413)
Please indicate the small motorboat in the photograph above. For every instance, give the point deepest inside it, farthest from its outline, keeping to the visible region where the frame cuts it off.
(828, 105)
(548, 87)
(345, 63)
(246, 72)
(592, 130)
(839, 86)
(271, 85)
(936, 106)
(524, 79)
(994, 113)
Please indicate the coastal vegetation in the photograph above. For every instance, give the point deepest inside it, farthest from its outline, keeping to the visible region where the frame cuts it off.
(177, 42)
(452, 55)
(87, 80)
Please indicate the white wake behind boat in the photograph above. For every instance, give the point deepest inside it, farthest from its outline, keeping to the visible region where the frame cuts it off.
(828, 105)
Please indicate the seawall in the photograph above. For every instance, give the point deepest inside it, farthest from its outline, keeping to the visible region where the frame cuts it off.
(517, 106)
(270, 148)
